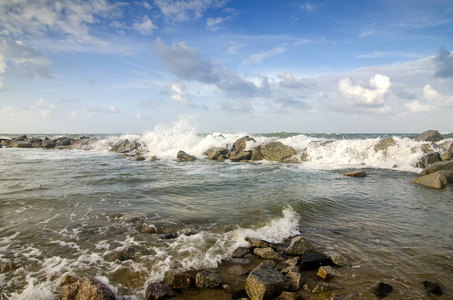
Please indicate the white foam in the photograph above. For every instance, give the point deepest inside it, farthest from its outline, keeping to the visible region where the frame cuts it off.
(35, 290)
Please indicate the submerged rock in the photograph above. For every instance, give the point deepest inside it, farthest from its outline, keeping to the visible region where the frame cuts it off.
(238, 270)
(432, 288)
(435, 180)
(327, 272)
(264, 283)
(158, 291)
(183, 156)
(240, 252)
(383, 290)
(429, 136)
(355, 174)
(276, 151)
(313, 261)
(441, 165)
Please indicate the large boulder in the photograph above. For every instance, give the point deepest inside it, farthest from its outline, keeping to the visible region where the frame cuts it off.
(267, 253)
(125, 146)
(264, 283)
(276, 151)
(208, 279)
(178, 281)
(87, 288)
(240, 155)
(20, 144)
(435, 180)
(441, 165)
(298, 246)
(313, 261)
(429, 136)
(183, 156)
(47, 143)
(158, 291)
(241, 144)
(448, 174)
(217, 153)
(256, 155)
(384, 144)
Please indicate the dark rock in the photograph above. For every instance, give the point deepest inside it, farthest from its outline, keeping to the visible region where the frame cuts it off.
(178, 281)
(432, 288)
(47, 144)
(429, 136)
(276, 151)
(240, 155)
(170, 236)
(240, 252)
(264, 283)
(448, 175)
(294, 280)
(434, 180)
(158, 291)
(442, 165)
(63, 142)
(238, 270)
(208, 279)
(313, 261)
(19, 144)
(139, 158)
(384, 145)
(241, 144)
(267, 253)
(383, 290)
(428, 159)
(355, 174)
(183, 156)
(298, 246)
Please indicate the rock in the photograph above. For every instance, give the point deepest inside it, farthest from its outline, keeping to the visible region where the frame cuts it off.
(256, 155)
(139, 158)
(442, 165)
(435, 180)
(20, 144)
(69, 279)
(47, 144)
(304, 156)
(382, 290)
(294, 280)
(158, 291)
(268, 263)
(355, 174)
(153, 158)
(446, 156)
(125, 146)
(260, 244)
(313, 261)
(288, 269)
(133, 216)
(216, 153)
(208, 279)
(349, 296)
(428, 159)
(63, 141)
(276, 151)
(298, 246)
(448, 175)
(240, 155)
(427, 148)
(384, 145)
(120, 145)
(122, 255)
(238, 270)
(178, 281)
(432, 288)
(292, 261)
(87, 288)
(241, 144)
(148, 229)
(183, 156)
(240, 252)
(327, 272)
(429, 136)
(288, 296)
(324, 287)
(264, 283)
(267, 253)
(337, 259)
(8, 266)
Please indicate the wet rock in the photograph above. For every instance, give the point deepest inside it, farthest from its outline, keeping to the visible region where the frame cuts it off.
(148, 229)
(349, 296)
(133, 216)
(448, 175)
(20, 144)
(428, 159)
(432, 288)
(240, 252)
(240, 155)
(47, 143)
(288, 296)
(288, 269)
(384, 145)
(264, 283)
(292, 261)
(158, 291)
(125, 146)
(8, 266)
(298, 246)
(216, 153)
(139, 158)
(355, 174)
(122, 255)
(208, 279)
(294, 280)
(169, 236)
(238, 270)
(69, 279)
(256, 155)
(313, 261)
(383, 290)
(276, 151)
(241, 144)
(268, 264)
(154, 158)
(327, 272)
(324, 287)
(183, 156)
(178, 281)
(267, 253)
(434, 180)
(260, 244)
(429, 136)
(120, 145)
(446, 156)
(442, 165)
(87, 288)
(337, 259)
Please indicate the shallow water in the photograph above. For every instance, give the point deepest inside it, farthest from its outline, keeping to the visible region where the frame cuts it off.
(63, 211)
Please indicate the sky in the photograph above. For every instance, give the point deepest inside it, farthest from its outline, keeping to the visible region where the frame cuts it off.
(104, 66)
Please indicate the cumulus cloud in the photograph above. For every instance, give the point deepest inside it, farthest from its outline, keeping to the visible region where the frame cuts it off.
(70, 18)
(362, 94)
(185, 62)
(289, 81)
(179, 93)
(259, 57)
(146, 27)
(181, 11)
(434, 101)
(213, 23)
(444, 63)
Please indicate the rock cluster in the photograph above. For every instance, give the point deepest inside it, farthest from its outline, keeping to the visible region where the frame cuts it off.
(46, 143)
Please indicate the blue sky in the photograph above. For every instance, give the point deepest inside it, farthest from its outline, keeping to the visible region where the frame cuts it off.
(229, 66)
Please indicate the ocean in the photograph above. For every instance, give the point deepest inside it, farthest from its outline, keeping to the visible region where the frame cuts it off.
(70, 211)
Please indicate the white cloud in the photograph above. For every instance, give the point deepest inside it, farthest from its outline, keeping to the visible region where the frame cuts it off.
(371, 94)
(288, 80)
(435, 101)
(236, 106)
(234, 49)
(379, 54)
(146, 27)
(308, 7)
(213, 23)
(366, 33)
(74, 115)
(257, 58)
(113, 109)
(444, 63)
(181, 11)
(179, 93)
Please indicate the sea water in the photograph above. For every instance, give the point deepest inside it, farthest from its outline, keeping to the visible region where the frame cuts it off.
(67, 211)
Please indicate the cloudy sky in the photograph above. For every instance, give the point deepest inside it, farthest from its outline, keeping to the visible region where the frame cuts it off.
(104, 66)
